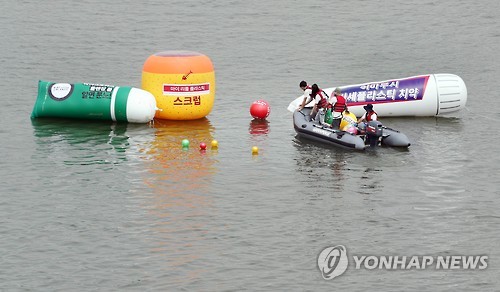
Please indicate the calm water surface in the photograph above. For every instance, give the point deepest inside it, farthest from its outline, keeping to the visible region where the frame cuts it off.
(97, 206)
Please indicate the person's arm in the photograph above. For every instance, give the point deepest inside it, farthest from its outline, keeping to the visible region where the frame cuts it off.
(303, 104)
(307, 99)
(362, 118)
(333, 99)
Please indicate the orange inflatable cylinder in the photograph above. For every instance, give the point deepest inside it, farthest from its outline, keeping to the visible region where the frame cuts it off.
(182, 82)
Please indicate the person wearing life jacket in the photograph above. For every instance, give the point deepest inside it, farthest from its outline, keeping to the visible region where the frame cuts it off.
(369, 115)
(318, 95)
(307, 94)
(339, 106)
(321, 104)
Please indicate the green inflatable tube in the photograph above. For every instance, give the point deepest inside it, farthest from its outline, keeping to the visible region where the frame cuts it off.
(94, 101)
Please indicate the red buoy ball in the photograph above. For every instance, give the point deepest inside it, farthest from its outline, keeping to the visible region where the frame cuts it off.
(260, 109)
(203, 146)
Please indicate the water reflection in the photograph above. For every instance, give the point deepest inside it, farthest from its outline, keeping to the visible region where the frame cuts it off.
(450, 162)
(82, 142)
(179, 172)
(370, 181)
(258, 127)
(341, 170)
(321, 163)
(180, 180)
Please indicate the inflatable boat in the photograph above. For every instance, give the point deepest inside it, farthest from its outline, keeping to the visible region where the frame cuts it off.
(375, 134)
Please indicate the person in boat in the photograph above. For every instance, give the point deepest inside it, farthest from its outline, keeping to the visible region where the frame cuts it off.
(308, 97)
(339, 106)
(320, 100)
(307, 94)
(369, 115)
(321, 105)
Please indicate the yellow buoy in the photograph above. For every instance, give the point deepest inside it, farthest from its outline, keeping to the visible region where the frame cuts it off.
(255, 150)
(183, 83)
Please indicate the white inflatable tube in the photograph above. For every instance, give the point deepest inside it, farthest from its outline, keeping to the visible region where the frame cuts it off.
(422, 95)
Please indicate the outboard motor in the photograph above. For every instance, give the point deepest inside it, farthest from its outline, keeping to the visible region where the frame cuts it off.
(374, 131)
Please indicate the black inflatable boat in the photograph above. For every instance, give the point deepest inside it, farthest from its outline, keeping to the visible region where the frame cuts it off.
(376, 133)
